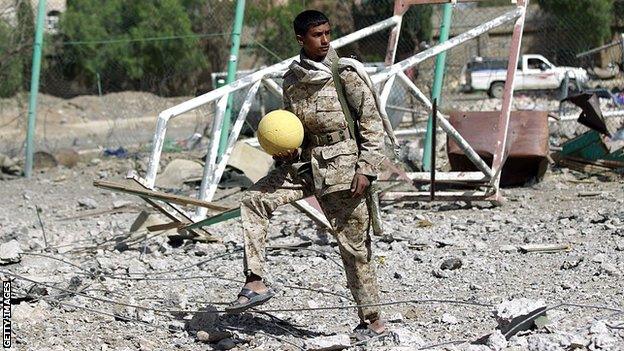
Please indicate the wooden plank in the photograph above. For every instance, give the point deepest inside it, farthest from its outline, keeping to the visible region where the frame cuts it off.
(176, 199)
(165, 226)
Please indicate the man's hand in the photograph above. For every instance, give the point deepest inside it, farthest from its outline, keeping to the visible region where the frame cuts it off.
(286, 156)
(359, 184)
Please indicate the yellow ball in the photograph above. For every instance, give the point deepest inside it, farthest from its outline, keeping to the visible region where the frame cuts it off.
(280, 131)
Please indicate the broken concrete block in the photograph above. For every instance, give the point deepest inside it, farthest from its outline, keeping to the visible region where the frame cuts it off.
(10, 252)
(328, 343)
(87, 203)
(178, 172)
(518, 315)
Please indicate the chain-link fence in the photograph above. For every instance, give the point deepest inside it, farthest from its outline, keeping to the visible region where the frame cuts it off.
(110, 67)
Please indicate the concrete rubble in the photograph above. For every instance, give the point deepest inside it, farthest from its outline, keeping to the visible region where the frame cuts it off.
(114, 258)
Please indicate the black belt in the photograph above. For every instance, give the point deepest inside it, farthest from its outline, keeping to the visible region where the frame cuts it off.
(329, 138)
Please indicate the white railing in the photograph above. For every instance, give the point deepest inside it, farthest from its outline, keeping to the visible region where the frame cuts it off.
(213, 169)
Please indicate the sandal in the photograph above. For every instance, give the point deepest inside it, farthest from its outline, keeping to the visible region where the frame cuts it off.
(363, 333)
(253, 299)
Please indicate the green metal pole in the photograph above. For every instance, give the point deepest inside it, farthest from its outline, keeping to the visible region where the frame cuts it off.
(231, 72)
(438, 79)
(34, 88)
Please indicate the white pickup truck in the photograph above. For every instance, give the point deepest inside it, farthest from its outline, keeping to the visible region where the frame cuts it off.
(534, 72)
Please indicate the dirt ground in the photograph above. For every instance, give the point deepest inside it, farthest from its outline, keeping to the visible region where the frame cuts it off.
(88, 261)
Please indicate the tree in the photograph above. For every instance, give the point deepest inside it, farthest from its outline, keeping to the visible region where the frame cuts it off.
(580, 24)
(273, 26)
(15, 50)
(146, 45)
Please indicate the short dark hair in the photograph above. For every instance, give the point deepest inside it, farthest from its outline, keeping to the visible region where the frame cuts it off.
(308, 19)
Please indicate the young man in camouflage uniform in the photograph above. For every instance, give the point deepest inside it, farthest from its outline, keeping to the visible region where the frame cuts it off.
(331, 165)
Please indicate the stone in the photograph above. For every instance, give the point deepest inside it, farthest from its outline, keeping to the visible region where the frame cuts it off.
(121, 203)
(87, 203)
(609, 269)
(541, 343)
(405, 337)
(496, 341)
(395, 318)
(205, 320)
(136, 267)
(438, 273)
(159, 264)
(95, 161)
(225, 344)
(572, 261)
(599, 258)
(448, 319)
(10, 252)
(212, 336)
(451, 264)
(328, 343)
(178, 172)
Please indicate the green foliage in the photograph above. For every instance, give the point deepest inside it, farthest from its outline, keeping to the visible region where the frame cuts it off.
(581, 24)
(15, 51)
(274, 23)
(416, 28)
(11, 74)
(124, 43)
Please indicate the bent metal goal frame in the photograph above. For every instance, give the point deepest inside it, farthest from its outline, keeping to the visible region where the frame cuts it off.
(385, 78)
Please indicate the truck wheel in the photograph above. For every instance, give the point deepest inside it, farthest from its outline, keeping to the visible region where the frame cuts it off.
(496, 90)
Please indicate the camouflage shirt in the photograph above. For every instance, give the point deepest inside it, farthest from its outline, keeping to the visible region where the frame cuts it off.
(318, 107)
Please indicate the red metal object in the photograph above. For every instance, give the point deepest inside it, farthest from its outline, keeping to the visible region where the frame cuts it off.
(527, 143)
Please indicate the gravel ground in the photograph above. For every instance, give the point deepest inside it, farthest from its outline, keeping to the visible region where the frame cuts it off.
(92, 254)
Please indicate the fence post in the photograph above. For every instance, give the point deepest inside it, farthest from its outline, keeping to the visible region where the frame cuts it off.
(231, 72)
(34, 88)
(438, 79)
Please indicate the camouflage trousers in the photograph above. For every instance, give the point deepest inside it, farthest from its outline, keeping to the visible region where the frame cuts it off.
(348, 217)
